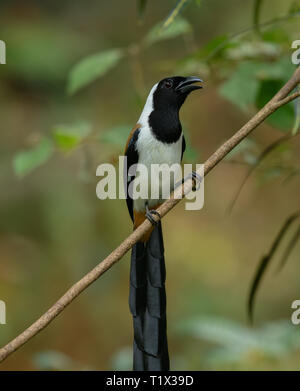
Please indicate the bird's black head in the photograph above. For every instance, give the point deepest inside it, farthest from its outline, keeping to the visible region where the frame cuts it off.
(172, 91)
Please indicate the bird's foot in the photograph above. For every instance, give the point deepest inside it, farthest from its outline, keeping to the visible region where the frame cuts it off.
(196, 178)
(149, 213)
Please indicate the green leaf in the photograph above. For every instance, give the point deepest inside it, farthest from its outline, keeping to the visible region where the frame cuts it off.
(254, 83)
(178, 27)
(91, 68)
(273, 76)
(283, 118)
(68, 137)
(116, 135)
(242, 87)
(276, 35)
(216, 45)
(26, 161)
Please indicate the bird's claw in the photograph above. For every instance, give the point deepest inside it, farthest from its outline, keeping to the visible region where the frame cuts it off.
(197, 179)
(149, 213)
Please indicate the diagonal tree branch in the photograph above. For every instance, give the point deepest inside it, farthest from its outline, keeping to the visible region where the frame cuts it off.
(277, 101)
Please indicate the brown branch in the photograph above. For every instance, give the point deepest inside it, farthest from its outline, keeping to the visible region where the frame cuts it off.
(278, 100)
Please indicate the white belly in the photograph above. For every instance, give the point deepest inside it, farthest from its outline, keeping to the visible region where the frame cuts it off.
(151, 151)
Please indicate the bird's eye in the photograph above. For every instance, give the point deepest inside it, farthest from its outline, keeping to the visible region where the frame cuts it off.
(168, 83)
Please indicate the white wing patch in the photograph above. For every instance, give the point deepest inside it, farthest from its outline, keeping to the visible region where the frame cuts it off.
(148, 108)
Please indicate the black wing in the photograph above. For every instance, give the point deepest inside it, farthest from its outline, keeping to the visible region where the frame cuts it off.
(132, 158)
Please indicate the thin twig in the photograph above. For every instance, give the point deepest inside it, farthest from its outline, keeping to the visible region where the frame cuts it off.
(288, 98)
(261, 26)
(124, 247)
(289, 249)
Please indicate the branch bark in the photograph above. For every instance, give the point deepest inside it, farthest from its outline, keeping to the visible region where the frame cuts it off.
(281, 98)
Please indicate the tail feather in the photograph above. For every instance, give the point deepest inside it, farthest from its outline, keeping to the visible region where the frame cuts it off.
(138, 290)
(138, 358)
(147, 300)
(155, 258)
(138, 267)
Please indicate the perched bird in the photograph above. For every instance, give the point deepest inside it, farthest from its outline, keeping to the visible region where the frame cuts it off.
(157, 138)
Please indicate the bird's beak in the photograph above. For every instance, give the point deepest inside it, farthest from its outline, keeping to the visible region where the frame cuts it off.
(187, 85)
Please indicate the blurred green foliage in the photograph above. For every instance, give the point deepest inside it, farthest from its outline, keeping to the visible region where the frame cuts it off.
(69, 136)
(233, 345)
(250, 84)
(176, 28)
(92, 67)
(26, 161)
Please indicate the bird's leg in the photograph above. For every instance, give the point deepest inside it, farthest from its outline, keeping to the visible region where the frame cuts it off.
(196, 178)
(149, 213)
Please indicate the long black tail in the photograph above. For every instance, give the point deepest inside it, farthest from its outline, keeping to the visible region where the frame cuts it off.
(147, 300)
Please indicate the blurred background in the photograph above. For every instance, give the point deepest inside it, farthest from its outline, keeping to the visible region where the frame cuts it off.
(75, 80)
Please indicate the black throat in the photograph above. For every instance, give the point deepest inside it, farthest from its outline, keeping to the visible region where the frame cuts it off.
(165, 125)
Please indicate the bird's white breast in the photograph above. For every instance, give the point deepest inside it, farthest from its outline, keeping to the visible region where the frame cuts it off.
(152, 151)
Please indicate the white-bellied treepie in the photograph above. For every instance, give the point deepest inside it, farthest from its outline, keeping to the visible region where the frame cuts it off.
(157, 138)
